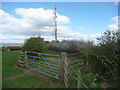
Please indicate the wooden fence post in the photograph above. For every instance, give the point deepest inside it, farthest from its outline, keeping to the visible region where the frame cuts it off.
(78, 76)
(25, 58)
(63, 58)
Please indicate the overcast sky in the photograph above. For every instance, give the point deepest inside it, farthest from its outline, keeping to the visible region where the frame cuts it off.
(78, 20)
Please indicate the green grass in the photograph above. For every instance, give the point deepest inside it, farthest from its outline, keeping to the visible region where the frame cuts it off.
(9, 60)
(10, 44)
(16, 78)
(52, 52)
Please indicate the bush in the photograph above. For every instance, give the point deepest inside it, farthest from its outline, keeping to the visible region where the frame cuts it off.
(34, 44)
(104, 58)
(53, 45)
(69, 46)
(12, 48)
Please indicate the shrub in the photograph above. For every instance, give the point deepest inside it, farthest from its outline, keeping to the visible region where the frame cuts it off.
(69, 46)
(53, 45)
(14, 48)
(64, 46)
(35, 44)
(104, 58)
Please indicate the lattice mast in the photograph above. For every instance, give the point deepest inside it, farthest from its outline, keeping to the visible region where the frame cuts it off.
(55, 21)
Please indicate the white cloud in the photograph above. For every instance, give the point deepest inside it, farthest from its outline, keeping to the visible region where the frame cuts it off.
(116, 25)
(36, 21)
(82, 27)
(95, 35)
(41, 17)
(115, 18)
(33, 21)
(12, 39)
(113, 26)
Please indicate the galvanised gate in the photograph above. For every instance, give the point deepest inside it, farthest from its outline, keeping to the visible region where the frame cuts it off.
(47, 64)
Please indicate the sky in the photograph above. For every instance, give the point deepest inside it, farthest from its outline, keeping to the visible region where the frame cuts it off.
(75, 20)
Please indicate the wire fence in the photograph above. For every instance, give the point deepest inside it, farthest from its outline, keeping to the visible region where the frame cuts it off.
(75, 80)
(73, 68)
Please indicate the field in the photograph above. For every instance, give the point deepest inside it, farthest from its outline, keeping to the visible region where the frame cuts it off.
(10, 44)
(16, 77)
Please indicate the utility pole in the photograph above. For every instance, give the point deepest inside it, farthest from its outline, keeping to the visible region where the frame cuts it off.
(55, 17)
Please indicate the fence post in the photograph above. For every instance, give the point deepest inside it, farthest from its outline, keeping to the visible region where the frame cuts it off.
(25, 58)
(21, 61)
(78, 76)
(63, 58)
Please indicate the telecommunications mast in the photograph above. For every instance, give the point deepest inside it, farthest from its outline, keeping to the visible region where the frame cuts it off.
(55, 21)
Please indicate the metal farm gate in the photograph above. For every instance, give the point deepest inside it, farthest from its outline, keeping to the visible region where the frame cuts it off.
(47, 64)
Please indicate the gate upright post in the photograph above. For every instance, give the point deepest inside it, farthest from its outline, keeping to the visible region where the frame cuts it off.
(25, 58)
(78, 80)
(63, 58)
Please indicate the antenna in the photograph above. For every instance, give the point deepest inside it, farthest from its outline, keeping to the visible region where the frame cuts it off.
(55, 17)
